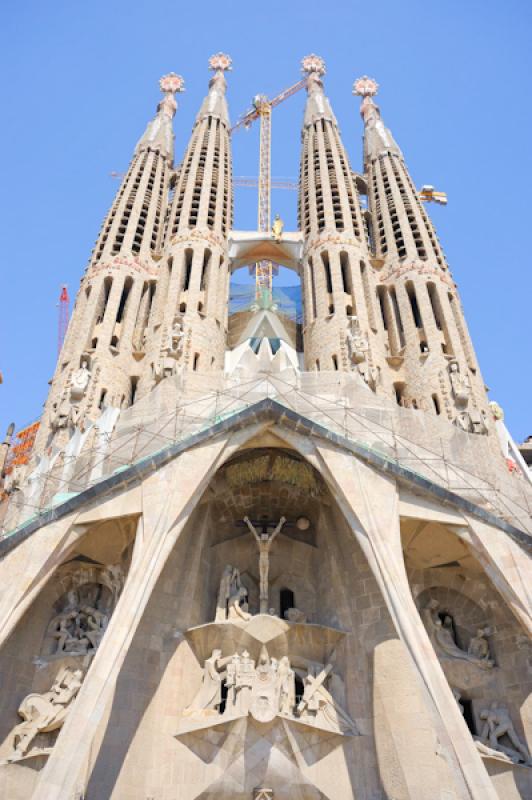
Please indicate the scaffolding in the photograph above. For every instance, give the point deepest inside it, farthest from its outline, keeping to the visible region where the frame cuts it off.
(429, 448)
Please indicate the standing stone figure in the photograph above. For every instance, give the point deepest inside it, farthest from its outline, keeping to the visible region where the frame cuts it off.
(229, 585)
(264, 542)
(209, 696)
(287, 680)
(44, 712)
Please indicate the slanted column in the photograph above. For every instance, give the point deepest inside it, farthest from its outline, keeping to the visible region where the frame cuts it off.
(369, 501)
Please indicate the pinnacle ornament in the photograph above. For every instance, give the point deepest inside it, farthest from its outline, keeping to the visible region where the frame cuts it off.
(220, 62)
(172, 83)
(365, 87)
(313, 63)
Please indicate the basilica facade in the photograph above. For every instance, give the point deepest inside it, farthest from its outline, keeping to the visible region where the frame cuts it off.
(263, 556)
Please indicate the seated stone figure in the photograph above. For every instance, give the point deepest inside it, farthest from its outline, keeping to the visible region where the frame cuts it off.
(44, 712)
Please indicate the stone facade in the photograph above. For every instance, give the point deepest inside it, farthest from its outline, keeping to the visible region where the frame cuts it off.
(303, 575)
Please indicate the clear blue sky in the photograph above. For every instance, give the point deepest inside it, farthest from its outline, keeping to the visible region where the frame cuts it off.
(79, 82)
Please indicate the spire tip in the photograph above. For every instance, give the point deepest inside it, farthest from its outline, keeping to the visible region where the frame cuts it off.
(313, 63)
(172, 83)
(220, 62)
(365, 87)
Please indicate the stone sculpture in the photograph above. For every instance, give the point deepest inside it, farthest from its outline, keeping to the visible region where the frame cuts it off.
(497, 723)
(238, 606)
(171, 351)
(264, 541)
(277, 227)
(79, 382)
(79, 628)
(295, 615)
(357, 343)
(459, 384)
(441, 633)
(266, 690)
(479, 646)
(46, 712)
(209, 697)
(229, 586)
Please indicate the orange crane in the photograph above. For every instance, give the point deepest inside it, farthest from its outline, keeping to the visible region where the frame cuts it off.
(262, 109)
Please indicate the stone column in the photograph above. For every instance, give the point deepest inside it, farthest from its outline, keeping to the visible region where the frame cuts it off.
(369, 501)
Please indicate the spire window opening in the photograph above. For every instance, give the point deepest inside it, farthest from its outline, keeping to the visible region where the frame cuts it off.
(381, 291)
(345, 272)
(133, 385)
(312, 289)
(189, 254)
(128, 284)
(398, 320)
(317, 365)
(106, 291)
(207, 255)
(368, 296)
(416, 314)
(101, 402)
(436, 404)
(327, 270)
(335, 362)
(399, 389)
(195, 364)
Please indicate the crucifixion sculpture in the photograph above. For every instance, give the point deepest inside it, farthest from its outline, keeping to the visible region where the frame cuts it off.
(264, 541)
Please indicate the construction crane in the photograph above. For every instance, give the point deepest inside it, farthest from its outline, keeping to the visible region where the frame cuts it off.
(275, 183)
(262, 109)
(429, 195)
(63, 316)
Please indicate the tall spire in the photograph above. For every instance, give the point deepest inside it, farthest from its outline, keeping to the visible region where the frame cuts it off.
(427, 334)
(337, 279)
(318, 106)
(215, 104)
(159, 133)
(378, 137)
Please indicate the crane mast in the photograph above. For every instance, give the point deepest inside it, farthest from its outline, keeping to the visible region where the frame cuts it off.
(262, 109)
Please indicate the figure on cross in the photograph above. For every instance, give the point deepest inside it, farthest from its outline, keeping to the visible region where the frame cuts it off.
(264, 541)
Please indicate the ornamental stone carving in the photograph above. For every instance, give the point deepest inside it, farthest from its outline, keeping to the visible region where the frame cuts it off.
(235, 686)
(44, 713)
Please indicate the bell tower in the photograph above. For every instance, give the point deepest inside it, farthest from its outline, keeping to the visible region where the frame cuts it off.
(431, 359)
(193, 286)
(343, 330)
(97, 366)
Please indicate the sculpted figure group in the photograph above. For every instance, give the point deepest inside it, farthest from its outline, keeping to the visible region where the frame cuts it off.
(79, 628)
(440, 629)
(236, 686)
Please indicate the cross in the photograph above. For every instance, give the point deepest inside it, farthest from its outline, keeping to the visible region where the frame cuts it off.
(312, 687)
